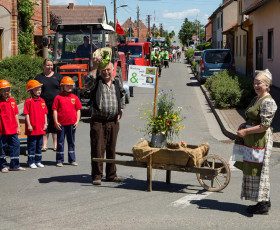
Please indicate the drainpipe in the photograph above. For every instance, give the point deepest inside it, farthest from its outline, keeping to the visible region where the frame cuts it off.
(247, 50)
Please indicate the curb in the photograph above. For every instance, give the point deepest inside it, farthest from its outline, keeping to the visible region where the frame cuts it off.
(223, 124)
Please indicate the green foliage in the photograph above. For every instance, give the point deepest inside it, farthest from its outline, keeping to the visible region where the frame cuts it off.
(18, 70)
(204, 46)
(194, 66)
(230, 90)
(167, 120)
(189, 53)
(189, 29)
(25, 37)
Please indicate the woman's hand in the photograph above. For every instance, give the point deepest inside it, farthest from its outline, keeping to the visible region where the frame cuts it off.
(58, 126)
(242, 133)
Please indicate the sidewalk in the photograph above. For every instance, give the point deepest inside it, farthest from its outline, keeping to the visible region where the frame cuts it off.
(230, 119)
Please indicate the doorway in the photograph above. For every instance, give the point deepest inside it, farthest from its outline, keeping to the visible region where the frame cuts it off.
(1, 32)
(259, 53)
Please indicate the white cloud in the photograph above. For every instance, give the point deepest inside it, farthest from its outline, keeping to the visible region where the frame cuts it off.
(181, 15)
(170, 28)
(63, 2)
(204, 19)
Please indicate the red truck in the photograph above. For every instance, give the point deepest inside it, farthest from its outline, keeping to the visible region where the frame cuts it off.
(70, 60)
(140, 51)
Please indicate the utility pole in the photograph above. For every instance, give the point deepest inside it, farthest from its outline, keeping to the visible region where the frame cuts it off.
(160, 30)
(138, 22)
(149, 25)
(115, 15)
(45, 28)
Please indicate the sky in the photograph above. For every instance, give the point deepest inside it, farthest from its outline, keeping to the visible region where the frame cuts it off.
(171, 13)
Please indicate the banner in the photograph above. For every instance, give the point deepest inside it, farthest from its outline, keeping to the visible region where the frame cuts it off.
(119, 29)
(142, 76)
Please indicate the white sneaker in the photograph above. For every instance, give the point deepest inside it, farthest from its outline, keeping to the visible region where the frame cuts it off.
(33, 166)
(40, 165)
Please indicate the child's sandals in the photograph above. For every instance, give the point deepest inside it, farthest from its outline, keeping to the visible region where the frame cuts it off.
(4, 170)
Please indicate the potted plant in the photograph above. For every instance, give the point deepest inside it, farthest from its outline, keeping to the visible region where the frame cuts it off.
(166, 123)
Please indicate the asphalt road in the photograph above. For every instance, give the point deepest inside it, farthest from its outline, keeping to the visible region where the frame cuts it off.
(64, 198)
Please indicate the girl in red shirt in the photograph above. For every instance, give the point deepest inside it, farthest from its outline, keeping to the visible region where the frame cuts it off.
(9, 129)
(66, 114)
(35, 111)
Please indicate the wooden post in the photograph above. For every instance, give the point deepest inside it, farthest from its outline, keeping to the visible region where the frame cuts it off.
(155, 99)
(149, 173)
(168, 176)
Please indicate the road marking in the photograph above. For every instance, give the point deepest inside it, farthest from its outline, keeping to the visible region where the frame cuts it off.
(189, 199)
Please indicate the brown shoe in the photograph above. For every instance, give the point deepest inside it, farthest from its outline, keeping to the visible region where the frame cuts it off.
(59, 165)
(115, 179)
(96, 182)
(74, 163)
(17, 169)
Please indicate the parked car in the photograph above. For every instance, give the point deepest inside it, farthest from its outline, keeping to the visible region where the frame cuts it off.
(214, 61)
(197, 55)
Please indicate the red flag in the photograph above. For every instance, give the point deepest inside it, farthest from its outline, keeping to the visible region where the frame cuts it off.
(119, 29)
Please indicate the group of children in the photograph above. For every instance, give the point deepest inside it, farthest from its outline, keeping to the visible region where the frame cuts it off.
(66, 112)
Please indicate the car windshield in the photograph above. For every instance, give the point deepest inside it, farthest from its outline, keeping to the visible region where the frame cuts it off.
(76, 44)
(218, 56)
(135, 50)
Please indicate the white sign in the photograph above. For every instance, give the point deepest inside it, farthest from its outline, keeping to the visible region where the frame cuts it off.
(142, 76)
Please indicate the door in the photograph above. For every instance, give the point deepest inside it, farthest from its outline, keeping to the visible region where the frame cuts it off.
(259, 53)
(250, 51)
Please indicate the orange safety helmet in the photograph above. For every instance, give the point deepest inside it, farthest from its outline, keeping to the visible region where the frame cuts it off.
(67, 81)
(4, 84)
(32, 84)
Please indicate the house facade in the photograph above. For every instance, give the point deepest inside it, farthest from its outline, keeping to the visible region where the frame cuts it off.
(265, 17)
(217, 28)
(143, 29)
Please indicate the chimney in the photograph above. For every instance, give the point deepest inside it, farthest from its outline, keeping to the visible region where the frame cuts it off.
(71, 6)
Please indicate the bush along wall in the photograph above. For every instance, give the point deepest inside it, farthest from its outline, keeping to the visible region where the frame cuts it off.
(189, 54)
(18, 70)
(229, 90)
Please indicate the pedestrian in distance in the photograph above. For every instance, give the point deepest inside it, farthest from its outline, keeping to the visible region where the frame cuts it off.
(66, 114)
(165, 56)
(35, 111)
(129, 61)
(157, 60)
(257, 148)
(50, 89)
(108, 102)
(9, 129)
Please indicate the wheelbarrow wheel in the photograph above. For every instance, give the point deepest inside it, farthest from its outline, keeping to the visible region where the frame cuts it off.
(217, 182)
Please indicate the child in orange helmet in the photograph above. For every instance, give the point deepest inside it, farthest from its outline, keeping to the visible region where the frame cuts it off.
(9, 129)
(35, 111)
(66, 114)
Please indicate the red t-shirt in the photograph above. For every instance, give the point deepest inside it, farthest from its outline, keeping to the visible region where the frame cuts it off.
(66, 106)
(8, 112)
(37, 110)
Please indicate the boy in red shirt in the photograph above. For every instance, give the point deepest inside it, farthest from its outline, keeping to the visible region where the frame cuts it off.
(66, 114)
(35, 111)
(9, 129)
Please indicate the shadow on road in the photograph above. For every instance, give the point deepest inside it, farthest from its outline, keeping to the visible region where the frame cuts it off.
(222, 206)
(81, 178)
(141, 185)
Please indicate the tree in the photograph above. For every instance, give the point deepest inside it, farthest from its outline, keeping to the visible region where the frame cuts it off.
(25, 37)
(172, 34)
(189, 29)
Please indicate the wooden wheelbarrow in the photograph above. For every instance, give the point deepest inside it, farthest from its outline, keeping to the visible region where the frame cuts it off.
(213, 173)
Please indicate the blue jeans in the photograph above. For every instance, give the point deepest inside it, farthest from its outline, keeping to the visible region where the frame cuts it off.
(70, 136)
(34, 147)
(13, 148)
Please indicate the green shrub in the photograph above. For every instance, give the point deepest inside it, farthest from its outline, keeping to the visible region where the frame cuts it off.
(18, 70)
(203, 46)
(194, 65)
(189, 54)
(230, 90)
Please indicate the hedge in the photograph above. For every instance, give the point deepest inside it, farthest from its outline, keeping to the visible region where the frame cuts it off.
(229, 90)
(18, 70)
(189, 53)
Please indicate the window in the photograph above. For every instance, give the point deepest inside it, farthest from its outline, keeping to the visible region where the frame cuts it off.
(218, 22)
(236, 46)
(244, 45)
(222, 45)
(222, 20)
(270, 44)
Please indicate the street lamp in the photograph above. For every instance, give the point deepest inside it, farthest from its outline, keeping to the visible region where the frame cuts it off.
(115, 13)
